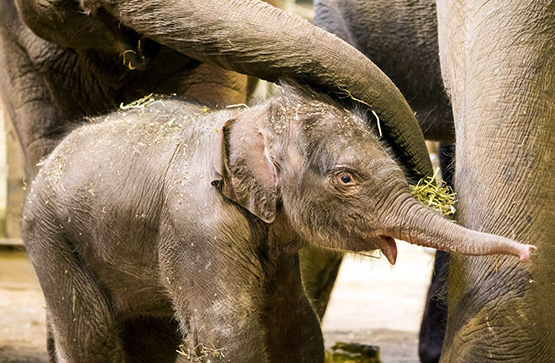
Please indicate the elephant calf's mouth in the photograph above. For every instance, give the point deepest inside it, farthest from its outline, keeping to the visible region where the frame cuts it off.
(385, 244)
(389, 248)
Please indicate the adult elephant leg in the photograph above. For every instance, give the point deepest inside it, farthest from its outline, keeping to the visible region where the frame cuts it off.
(434, 321)
(497, 59)
(319, 270)
(432, 329)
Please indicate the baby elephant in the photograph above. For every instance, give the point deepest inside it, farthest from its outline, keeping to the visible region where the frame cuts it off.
(166, 228)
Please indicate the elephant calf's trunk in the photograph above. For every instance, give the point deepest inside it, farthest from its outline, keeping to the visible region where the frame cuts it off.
(419, 225)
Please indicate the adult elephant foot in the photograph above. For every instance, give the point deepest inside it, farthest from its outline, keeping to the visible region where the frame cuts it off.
(432, 329)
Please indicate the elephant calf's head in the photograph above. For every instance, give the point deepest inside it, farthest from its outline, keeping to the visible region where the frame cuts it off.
(335, 181)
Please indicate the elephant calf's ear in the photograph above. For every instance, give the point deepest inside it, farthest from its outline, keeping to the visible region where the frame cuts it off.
(249, 176)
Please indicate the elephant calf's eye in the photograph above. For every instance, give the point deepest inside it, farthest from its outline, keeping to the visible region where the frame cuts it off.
(346, 179)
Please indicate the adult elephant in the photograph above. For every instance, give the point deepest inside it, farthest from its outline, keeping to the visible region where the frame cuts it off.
(498, 63)
(62, 60)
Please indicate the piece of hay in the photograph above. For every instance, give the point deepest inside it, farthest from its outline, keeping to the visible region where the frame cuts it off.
(201, 353)
(349, 95)
(140, 103)
(435, 194)
(128, 65)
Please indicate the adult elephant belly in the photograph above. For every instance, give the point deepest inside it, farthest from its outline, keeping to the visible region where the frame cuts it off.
(498, 63)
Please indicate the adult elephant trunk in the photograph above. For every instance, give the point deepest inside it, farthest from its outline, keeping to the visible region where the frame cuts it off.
(254, 38)
(422, 226)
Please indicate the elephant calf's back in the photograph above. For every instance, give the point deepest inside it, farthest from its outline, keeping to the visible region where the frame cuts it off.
(103, 189)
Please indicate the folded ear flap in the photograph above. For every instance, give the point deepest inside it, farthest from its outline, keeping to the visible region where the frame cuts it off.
(249, 176)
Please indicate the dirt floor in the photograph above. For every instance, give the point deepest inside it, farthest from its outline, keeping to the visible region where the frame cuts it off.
(22, 331)
(373, 303)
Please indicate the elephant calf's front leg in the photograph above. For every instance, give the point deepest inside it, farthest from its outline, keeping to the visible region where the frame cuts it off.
(218, 306)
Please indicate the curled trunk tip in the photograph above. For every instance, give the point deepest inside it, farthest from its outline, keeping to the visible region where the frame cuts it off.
(524, 254)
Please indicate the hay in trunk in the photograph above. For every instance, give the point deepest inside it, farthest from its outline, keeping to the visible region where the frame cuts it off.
(436, 194)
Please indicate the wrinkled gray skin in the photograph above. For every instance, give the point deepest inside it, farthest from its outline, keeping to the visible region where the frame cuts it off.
(498, 64)
(206, 223)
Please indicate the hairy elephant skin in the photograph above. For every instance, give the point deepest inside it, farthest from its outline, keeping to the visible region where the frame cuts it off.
(164, 243)
(206, 224)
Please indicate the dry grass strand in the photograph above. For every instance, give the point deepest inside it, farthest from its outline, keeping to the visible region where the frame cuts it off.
(436, 194)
